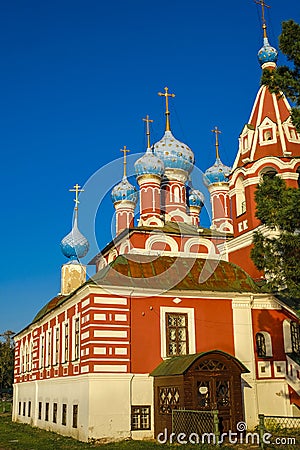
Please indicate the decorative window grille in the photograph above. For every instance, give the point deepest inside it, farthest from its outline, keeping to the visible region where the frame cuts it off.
(295, 337)
(75, 416)
(177, 334)
(261, 345)
(168, 399)
(140, 418)
(204, 394)
(47, 412)
(40, 411)
(76, 339)
(64, 414)
(211, 365)
(222, 393)
(54, 418)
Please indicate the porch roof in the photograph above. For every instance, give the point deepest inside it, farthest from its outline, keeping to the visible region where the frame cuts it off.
(178, 365)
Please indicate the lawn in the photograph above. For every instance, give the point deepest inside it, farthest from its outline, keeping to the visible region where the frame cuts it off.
(17, 436)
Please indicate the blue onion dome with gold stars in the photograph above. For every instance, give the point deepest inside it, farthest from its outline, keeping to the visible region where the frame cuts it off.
(196, 198)
(124, 191)
(218, 173)
(149, 164)
(74, 245)
(174, 154)
(267, 53)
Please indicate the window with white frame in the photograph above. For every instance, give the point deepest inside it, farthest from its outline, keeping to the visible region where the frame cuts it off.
(76, 338)
(295, 337)
(56, 346)
(66, 342)
(177, 331)
(42, 349)
(240, 197)
(48, 355)
(263, 344)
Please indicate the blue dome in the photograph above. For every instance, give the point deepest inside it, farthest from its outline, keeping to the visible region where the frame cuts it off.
(174, 154)
(196, 198)
(124, 191)
(267, 53)
(74, 245)
(149, 164)
(218, 173)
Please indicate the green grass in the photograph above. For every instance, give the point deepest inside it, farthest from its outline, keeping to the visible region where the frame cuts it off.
(18, 436)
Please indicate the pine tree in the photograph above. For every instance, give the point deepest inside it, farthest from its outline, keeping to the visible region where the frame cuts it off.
(287, 79)
(278, 252)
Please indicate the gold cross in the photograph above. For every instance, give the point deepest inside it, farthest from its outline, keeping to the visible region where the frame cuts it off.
(263, 5)
(124, 150)
(76, 190)
(167, 113)
(217, 132)
(147, 120)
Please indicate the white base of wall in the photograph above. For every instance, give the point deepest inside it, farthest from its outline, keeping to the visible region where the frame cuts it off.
(104, 405)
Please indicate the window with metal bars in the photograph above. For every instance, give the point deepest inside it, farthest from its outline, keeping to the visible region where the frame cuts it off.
(295, 337)
(75, 416)
(260, 345)
(177, 334)
(140, 417)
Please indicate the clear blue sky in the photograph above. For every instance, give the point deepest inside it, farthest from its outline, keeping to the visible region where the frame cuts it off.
(76, 79)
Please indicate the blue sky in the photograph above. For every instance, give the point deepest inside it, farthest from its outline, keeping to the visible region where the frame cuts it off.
(76, 79)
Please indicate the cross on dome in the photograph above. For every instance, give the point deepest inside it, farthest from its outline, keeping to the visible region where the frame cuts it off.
(124, 150)
(217, 132)
(167, 113)
(263, 6)
(147, 120)
(76, 189)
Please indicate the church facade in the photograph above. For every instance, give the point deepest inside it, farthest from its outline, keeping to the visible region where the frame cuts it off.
(173, 317)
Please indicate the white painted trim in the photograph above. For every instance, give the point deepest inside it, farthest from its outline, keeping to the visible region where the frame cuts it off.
(191, 327)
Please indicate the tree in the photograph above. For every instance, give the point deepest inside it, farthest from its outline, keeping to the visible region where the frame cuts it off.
(287, 79)
(6, 361)
(277, 252)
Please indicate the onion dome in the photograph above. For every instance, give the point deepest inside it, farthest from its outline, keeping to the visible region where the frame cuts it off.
(267, 53)
(74, 245)
(149, 164)
(124, 191)
(196, 198)
(173, 153)
(218, 173)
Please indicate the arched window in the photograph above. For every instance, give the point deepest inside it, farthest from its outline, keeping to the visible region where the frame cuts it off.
(268, 172)
(263, 344)
(240, 197)
(176, 194)
(287, 336)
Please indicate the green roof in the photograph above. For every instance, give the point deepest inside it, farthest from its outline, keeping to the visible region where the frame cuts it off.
(165, 273)
(168, 273)
(178, 365)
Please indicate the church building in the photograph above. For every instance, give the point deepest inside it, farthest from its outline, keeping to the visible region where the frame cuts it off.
(174, 317)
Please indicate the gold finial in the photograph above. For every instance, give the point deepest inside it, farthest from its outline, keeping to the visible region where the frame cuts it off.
(125, 150)
(217, 132)
(147, 120)
(76, 190)
(167, 113)
(263, 6)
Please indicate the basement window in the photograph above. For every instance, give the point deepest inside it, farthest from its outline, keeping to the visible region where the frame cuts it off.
(140, 418)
